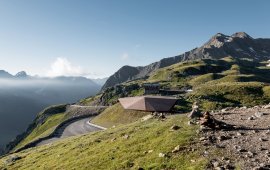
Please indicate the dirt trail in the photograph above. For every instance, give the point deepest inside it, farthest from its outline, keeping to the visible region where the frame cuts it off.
(249, 142)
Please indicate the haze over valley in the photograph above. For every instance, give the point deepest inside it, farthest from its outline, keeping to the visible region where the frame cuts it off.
(23, 96)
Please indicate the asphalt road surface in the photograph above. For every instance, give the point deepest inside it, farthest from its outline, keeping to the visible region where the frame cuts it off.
(73, 129)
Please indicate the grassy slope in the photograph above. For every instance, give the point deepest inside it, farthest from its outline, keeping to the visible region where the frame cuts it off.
(236, 82)
(116, 115)
(43, 129)
(215, 83)
(213, 96)
(218, 83)
(98, 150)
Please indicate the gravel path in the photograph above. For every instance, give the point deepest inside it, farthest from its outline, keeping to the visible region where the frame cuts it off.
(249, 143)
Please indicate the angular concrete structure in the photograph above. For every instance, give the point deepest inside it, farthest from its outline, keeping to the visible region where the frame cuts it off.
(148, 103)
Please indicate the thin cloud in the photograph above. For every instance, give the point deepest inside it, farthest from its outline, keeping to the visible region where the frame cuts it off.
(63, 67)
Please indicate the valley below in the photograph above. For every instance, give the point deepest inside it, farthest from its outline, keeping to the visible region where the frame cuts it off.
(22, 98)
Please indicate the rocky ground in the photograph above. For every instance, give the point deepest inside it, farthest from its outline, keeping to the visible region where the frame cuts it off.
(247, 144)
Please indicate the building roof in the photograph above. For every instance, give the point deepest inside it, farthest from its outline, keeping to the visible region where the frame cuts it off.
(148, 103)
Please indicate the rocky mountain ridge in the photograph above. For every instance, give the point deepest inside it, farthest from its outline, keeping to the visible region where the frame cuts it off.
(238, 45)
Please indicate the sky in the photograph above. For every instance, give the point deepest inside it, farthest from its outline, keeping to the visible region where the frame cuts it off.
(94, 38)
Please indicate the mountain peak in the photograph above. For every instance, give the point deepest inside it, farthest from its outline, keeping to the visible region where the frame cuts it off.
(241, 35)
(238, 45)
(217, 40)
(21, 74)
(4, 74)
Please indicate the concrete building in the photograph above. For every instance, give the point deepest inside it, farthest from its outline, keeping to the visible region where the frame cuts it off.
(151, 88)
(148, 103)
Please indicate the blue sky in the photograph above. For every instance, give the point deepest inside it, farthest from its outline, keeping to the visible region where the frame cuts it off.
(96, 37)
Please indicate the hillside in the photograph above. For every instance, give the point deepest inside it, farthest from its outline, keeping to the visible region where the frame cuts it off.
(238, 45)
(46, 122)
(222, 78)
(145, 143)
(116, 115)
(215, 83)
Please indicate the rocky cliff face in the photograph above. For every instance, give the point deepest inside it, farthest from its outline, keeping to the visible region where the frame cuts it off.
(238, 45)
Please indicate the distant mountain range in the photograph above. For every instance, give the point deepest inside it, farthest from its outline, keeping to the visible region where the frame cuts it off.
(22, 96)
(22, 74)
(238, 45)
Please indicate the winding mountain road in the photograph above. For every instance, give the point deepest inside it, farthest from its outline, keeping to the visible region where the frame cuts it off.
(78, 127)
(74, 128)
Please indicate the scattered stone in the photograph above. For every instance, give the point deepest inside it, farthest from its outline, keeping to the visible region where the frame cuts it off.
(204, 128)
(243, 108)
(150, 151)
(222, 138)
(161, 155)
(161, 116)
(224, 110)
(267, 106)
(205, 153)
(155, 114)
(175, 127)
(176, 149)
(250, 118)
(147, 117)
(192, 160)
(215, 164)
(130, 164)
(236, 147)
(255, 131)
(267, 132)
(113, 139)
(262, 165)
(220, 168)
(263, 139)
(203, 139)
(259, 114)
(126, 136)
(239, 134)
(250, 154)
